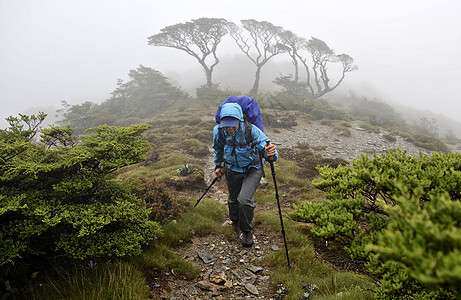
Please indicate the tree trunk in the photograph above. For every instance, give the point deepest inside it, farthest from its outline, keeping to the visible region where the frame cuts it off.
(208, 74)
(254, 90)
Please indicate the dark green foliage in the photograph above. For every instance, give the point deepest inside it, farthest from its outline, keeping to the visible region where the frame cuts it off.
(59, 197)
(408, 207)
(186, 170)
(421, 245)
(147, 93)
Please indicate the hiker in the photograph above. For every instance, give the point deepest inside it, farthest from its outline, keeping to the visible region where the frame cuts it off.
(240, 160)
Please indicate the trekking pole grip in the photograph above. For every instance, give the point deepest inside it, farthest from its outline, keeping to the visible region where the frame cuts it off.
(268, 142)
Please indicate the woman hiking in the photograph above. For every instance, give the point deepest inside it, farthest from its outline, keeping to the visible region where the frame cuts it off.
(238, 147)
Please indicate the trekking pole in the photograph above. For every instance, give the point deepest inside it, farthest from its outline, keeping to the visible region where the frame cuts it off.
(271, 162)
(213, 182)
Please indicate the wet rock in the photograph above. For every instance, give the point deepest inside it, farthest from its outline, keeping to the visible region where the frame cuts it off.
(251, 288)
(248, 280)
(218, 279)
(254, 269)
(207, 257)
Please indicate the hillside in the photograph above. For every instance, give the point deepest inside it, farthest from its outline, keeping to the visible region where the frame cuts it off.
(197, 255)
(229, 271)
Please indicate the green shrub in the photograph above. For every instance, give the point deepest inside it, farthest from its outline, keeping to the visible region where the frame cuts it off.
(346, 132)
(186, 170)
(162, 205)
(367, 205)
(421, 246)
(63, 199)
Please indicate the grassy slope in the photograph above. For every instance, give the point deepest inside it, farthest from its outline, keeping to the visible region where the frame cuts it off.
(125, 279)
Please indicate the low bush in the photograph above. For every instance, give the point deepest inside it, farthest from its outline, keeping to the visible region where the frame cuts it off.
(399, 214)
(163, 206)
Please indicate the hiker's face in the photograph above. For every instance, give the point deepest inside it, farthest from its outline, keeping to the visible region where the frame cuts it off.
(231, 130)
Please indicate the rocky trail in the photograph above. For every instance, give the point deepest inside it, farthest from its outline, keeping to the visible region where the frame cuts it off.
(230, 271)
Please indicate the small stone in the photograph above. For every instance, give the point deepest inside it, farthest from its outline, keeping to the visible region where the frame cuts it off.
(275, 247)
(252, 289)
(254, 269)
(237, 273)
(248, 279)
(205, 285)
(207, 257)
(263, 278)
(192, 290)
(218, 279)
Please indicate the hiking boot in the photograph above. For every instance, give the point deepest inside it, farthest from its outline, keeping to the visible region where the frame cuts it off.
(247, 239)
(236, 229)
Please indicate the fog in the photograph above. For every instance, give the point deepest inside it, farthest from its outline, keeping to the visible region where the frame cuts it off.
(408, 52)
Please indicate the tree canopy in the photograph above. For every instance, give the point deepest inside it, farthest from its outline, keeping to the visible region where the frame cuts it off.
(199, 38)
(146, 93)
(260, 41)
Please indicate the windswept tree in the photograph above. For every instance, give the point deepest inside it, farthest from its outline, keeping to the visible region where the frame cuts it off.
(322, 55)
(199, 38)
(260, 42)
(293, 44)
(318, 70)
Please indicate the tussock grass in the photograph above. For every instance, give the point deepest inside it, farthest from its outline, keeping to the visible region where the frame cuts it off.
(117, 280)
(162, 258)
(285, 173)
(306, 267)
(163, 169)
(207, 217)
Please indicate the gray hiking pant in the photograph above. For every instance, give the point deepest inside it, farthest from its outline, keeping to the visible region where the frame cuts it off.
(242, 187)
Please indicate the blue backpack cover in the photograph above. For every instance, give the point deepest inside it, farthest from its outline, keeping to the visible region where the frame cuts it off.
(249, 107)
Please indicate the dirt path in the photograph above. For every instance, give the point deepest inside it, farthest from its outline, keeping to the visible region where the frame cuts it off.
(228, 270)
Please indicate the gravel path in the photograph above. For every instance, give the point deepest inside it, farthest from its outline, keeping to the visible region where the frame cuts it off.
(332, 143)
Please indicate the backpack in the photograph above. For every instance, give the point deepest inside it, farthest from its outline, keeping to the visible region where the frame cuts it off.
(251, 115)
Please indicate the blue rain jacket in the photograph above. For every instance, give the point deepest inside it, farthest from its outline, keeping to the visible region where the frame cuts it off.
(238, 153)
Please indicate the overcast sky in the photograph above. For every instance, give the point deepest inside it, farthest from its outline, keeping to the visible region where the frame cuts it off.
(408, 51)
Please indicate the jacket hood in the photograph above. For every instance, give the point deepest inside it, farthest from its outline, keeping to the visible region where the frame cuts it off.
(231, 110)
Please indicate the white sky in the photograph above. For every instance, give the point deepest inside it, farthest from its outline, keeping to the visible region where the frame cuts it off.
(408, 51)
